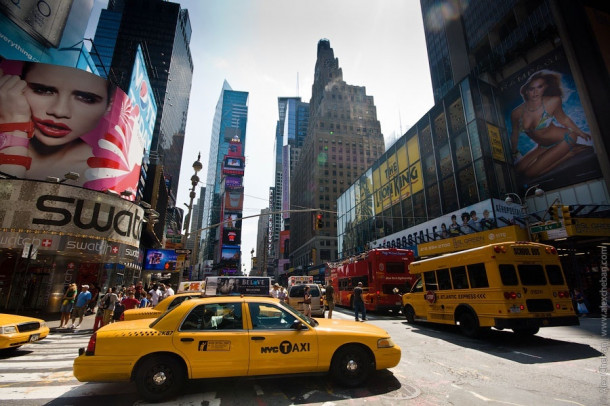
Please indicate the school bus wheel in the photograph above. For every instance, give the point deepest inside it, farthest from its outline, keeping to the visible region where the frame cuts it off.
(409, 314)
(469, 323)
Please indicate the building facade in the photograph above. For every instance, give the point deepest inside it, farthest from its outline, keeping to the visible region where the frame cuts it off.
(492, 135)
(343, 139)
(230, 120)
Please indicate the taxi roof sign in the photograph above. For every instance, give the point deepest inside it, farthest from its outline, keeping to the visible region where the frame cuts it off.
(237, 285)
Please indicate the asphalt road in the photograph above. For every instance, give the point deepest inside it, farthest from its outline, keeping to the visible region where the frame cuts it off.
(559, 366)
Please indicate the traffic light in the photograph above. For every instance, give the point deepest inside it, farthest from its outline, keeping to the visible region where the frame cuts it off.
(554, 212)
(319, 222)
(567, 216)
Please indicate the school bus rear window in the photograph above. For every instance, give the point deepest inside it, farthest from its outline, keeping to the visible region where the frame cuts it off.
(508, 275)
(531, 275)
(554, 274)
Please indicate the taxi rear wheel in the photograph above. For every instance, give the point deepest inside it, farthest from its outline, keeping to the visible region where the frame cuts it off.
(159, 377)
(351, 366)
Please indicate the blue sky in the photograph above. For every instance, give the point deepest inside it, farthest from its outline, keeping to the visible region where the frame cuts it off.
(262, 47)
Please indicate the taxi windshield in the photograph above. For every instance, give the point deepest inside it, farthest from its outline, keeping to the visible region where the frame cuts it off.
(312, 322)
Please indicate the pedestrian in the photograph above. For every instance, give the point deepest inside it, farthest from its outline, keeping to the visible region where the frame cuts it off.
(169, 291)
(155, 294)
(95, 295)
(359, 302)
(330, 298)
(146, 301)
(139, 290)
(282, 294)
(130, 302)
(108, 302)
(82, 300)
(275, 291)
(581, 306)
(99, 319)
(67, 304)
(307, 302)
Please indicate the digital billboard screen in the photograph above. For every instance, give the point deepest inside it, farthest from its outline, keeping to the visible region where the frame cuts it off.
(94, 136)
(160, 260)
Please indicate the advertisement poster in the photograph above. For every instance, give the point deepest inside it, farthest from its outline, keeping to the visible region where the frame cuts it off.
(81, 125)
(222, 285)
(160, 260)
(230, 254)
(549, 136)
(142, 99)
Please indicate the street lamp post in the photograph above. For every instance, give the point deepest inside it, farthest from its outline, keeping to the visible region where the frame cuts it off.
(523, 203)
(197, 166)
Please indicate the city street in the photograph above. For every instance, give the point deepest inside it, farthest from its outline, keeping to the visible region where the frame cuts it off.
(438, 367)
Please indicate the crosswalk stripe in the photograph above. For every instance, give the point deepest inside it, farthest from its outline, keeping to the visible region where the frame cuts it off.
(64, 391)
(40, 357)
(52, 364)
(20, 377)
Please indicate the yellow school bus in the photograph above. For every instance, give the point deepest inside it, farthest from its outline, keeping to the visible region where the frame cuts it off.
(513, 285)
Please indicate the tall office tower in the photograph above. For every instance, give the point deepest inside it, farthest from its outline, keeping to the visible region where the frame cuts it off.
(163, 30)
(262, 232)
(291, 130)
(343, 139)
(230, 120)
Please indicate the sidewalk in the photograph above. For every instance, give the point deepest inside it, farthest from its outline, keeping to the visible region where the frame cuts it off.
(53, 319)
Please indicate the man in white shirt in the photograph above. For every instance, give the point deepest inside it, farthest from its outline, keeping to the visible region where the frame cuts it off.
(275, 292)
(168, 291)
(155, 294)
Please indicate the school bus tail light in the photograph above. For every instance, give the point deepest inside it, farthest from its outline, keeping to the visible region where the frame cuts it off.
(510, 295)
(564, 294)
(500, 248)
(551, 250)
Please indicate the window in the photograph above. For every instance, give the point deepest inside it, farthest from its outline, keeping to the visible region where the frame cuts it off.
(477, 276)
(508, 275)
(395, 267)
(269, 317)
(177, 301)
(531, 275)
(216, 316)
(458, 275)
(554, 274)
(444, 282)
(430, 280)
(418, 286)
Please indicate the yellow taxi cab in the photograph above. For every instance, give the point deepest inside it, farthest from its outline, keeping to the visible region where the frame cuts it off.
(232, 336)
(16, 331)
(153, 312)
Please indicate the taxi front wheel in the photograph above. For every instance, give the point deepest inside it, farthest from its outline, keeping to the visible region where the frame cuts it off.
(159, 377)
(351, 366)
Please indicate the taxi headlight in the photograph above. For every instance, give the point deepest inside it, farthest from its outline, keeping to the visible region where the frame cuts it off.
(385, 343)
(43, 324)
(8, 330)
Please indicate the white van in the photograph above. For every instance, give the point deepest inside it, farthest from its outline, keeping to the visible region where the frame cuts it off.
(296, 294)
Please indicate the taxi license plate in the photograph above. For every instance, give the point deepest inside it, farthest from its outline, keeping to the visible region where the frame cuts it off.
(34, 337)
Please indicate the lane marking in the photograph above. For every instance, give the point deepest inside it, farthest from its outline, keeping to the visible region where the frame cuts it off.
(35, 365)
(21, 377)
(529, 355)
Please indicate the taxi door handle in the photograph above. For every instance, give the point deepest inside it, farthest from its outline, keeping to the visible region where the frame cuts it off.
(187, 339)
(257, 338)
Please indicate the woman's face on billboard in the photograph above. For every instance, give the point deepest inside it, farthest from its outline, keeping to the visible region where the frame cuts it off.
(535, 89)
(66, 103)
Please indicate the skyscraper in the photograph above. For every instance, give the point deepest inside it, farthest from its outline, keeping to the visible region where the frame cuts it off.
(230, 120)
(343, 139)
(163, 30)
(291, 130)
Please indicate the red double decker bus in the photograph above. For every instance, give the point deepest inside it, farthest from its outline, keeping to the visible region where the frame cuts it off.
(380, 271)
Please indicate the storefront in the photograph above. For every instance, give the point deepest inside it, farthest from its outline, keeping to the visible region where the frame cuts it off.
(53, 234)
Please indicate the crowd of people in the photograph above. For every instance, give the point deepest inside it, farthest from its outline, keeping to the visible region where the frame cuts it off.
(108, 307)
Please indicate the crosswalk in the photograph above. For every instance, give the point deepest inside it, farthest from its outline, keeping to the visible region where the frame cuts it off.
(41, 372)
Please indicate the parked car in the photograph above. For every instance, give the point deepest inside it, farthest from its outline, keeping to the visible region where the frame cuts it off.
(295, 298)
(232, 336)
(16, 331)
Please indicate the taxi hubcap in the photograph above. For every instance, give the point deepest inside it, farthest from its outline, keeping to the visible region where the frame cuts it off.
(159, 378)
(352, 365)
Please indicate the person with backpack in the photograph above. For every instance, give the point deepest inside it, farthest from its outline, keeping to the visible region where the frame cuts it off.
(107, 304)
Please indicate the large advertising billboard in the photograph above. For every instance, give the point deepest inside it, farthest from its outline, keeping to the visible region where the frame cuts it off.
(49, 31)
(76, 122)
(160, 260)
(549, 135)
(48, 209)
(142, 98)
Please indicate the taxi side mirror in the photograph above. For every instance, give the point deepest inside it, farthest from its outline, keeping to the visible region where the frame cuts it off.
(297, 325)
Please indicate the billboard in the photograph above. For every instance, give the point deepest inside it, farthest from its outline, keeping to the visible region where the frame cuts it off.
(83, 215)
(231, 220)
(230, 254)
(160, 260)
(550, 138)
(233, 166)
(234, 200)
(49, 31)
(142, 99)
(81, 124)
(233, 182)
(231, 236)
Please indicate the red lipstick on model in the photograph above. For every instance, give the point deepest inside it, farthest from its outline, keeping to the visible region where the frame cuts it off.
(51, 129)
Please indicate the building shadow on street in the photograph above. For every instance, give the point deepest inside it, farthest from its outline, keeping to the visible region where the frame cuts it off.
(506, 344)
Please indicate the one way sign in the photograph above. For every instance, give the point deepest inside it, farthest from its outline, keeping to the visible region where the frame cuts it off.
(29, 250)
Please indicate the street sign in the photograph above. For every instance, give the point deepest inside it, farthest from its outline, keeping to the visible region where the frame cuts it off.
(26, 251)
(182, 251)
(544, 227)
